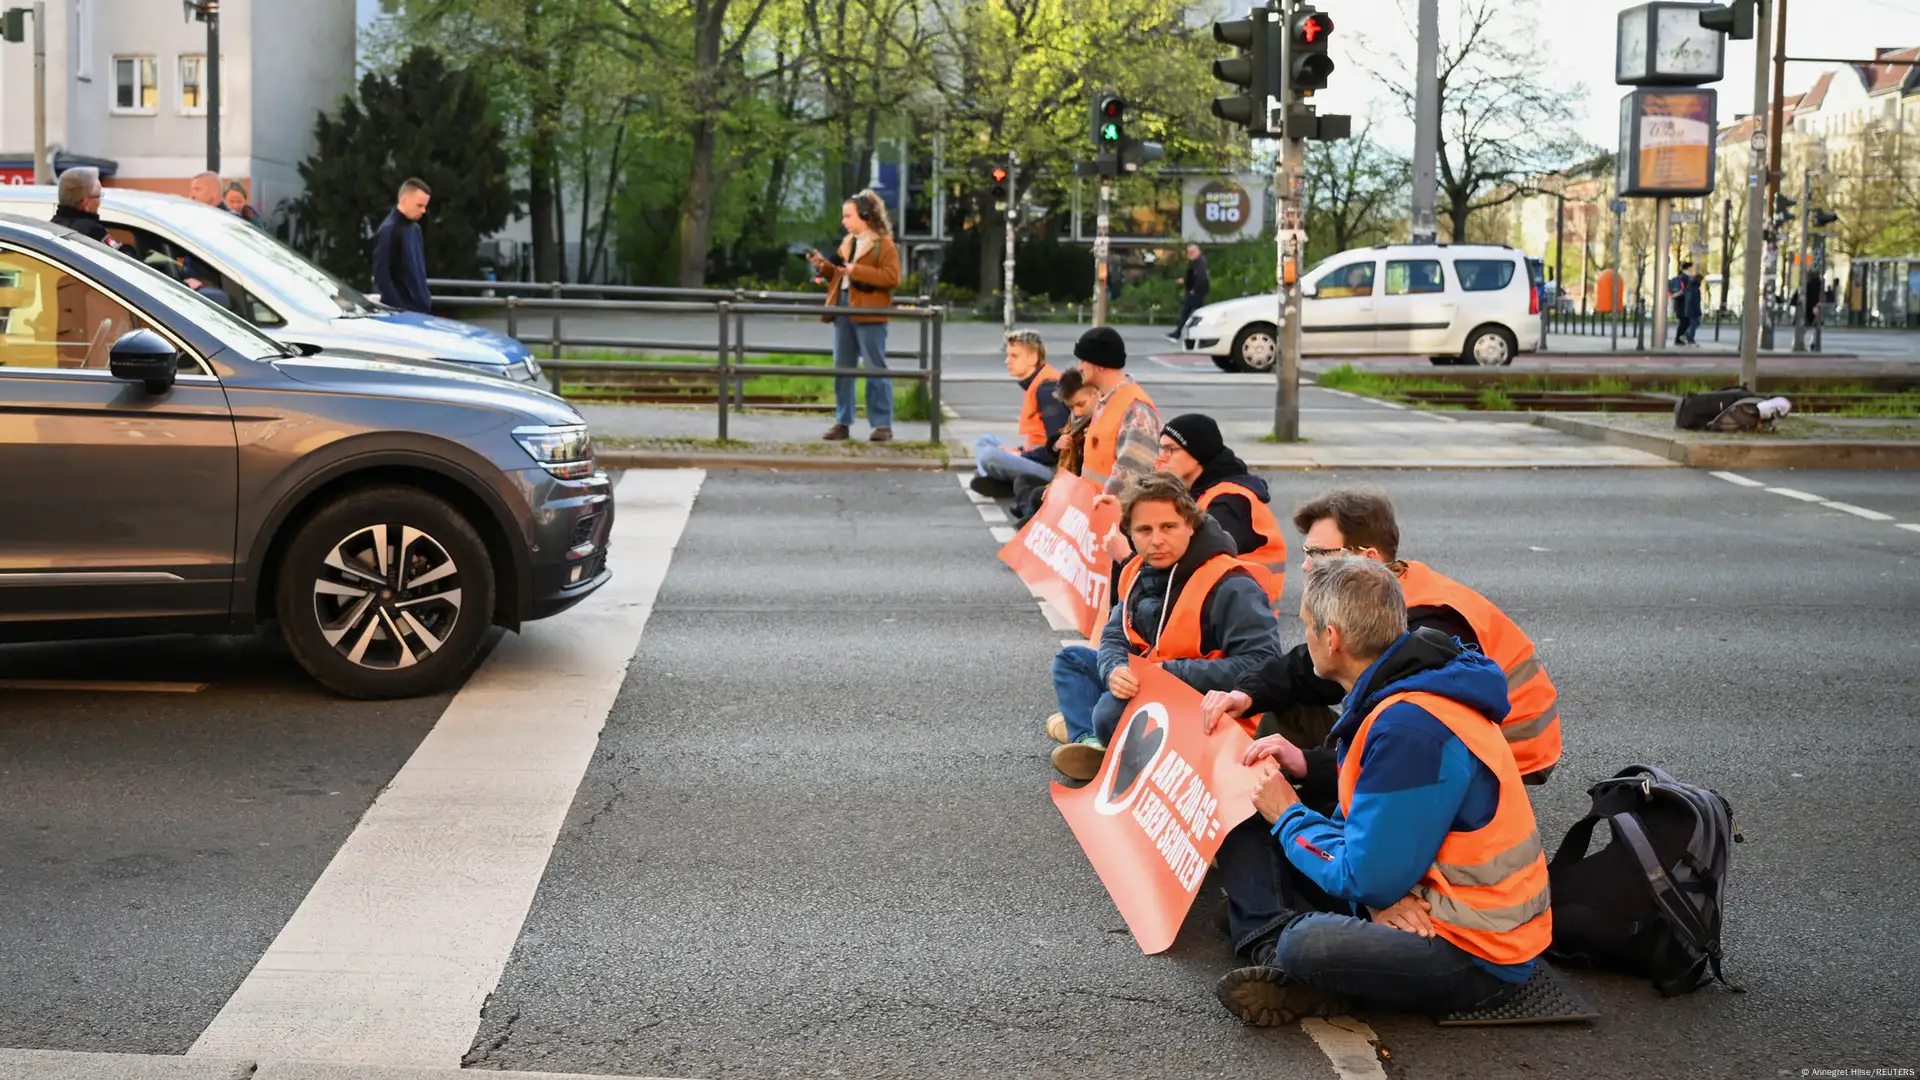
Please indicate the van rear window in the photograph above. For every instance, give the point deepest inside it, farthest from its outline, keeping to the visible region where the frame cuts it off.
(1484, 275)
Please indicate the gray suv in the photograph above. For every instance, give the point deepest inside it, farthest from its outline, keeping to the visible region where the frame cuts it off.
(166, 467)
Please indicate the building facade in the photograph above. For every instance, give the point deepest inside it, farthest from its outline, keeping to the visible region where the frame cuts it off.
(127, 85)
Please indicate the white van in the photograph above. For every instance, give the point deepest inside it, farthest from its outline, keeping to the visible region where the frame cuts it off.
(1454, 303)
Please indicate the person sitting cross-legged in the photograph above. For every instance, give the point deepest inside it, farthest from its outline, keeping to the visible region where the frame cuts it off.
(1185, 602)
(1425, 889)
(1043, 413)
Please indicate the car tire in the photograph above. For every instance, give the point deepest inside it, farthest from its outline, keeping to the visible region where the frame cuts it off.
(1224, 363)
(1490, 346)
(1256, 348)
(407, 622)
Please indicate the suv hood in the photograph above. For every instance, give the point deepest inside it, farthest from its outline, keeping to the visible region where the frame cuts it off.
(407, 335)
(1265, 308)
(427, 380)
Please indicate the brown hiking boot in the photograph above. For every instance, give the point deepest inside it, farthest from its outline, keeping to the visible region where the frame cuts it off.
(1263, 996)
(837, 433)
(881, 434)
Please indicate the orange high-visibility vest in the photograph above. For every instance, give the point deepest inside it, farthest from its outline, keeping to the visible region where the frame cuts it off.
(1487, 889)
(1103, 435)
(1268, 562)
(1532, 726)
(1033, 426)
(1180, 630)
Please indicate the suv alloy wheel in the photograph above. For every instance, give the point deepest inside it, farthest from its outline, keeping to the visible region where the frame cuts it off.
(1256, 348)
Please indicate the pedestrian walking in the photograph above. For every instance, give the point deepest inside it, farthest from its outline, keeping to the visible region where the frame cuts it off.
(79, 207)
(1198, 282)
(1678, 287)
(400, 252)
(863, 273)
(1696, 304)
(235, 200)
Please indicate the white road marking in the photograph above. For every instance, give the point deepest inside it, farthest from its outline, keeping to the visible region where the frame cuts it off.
(966, 481)
(103, 684)
(1736, 478)
(1856, 511)
(390, 957)
(1390, 404)
(1071, 642)
(41, 1064)
(1056, 618)
(1348, 1043)
(1004, 533)
(1909, 528)
(1442, 417)
(991, 513)
(1793, 494)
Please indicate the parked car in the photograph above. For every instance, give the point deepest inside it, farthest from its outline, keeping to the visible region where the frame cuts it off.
(169, 467)
(1464, 303)
(276, 289)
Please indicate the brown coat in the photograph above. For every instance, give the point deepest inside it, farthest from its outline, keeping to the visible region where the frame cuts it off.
(875, 275)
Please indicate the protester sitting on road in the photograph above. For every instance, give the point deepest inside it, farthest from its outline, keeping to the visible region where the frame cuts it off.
(1184, 602)
(1042, 416)
(1064, 454)
(1192, 449)
(1123, 437)
(1360, 521)
(1425, 889)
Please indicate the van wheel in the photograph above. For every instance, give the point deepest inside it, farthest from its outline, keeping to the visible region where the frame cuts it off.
(386, 593)
(1256, 348)
(1490, 346)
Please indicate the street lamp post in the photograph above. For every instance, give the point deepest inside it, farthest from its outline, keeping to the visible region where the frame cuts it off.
(1751, 317)
(208, 11)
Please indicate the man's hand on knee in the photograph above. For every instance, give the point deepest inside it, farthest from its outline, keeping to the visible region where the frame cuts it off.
(1408, 913)
(1122, 684)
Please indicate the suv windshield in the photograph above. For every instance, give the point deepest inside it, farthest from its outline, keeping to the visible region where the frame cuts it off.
(280, 271)
(182, 301)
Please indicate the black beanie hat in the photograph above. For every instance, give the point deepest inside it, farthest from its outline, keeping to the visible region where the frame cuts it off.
(1101, 346)
(1197, 434)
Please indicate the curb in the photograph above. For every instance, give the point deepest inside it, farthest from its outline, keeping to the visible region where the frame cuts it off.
(693, 459)
(1754, 454)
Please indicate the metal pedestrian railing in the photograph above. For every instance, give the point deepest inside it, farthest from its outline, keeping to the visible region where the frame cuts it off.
(731, 309)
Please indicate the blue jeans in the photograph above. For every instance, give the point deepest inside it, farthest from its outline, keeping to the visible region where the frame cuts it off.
(1319, 942)
(1083, 698)
(853, 343)
(991, 457)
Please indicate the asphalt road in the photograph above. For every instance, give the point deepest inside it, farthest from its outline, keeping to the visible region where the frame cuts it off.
(815, 839)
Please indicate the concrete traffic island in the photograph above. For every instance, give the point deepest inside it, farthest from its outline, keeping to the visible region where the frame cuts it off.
(1798, 442)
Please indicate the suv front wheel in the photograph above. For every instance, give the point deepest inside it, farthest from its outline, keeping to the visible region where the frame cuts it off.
(385, 593)
(1256, 347)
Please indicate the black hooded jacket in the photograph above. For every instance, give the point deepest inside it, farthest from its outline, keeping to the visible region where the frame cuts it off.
(1235, 619)
(85, 222)
(1232, 510)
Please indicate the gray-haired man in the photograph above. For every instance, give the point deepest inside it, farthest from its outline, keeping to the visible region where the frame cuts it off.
(79, 210)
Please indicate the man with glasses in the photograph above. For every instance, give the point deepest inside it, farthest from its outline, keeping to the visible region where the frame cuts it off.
(79, 208)
(1361, 521)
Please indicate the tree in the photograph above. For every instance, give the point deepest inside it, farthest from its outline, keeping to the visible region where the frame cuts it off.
(424, 120)
(1355, 192)
(1503, 119)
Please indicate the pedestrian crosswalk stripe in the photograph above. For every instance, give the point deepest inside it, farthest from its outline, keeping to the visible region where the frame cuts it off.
(1857, 511)
(1736, 478)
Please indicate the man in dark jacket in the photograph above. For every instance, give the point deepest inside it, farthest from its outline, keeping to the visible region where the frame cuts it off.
(1424, 887)
(79, 208)
(1192, 449)
(1198, 282)
(1177, 543)
(400, 254)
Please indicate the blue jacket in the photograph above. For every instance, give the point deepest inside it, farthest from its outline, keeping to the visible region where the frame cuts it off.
(400, 265)
(1417, 781)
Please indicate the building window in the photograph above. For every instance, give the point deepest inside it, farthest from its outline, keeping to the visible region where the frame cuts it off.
(193, 86)
(136, 85)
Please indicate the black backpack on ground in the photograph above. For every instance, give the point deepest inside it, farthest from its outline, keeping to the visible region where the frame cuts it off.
(1693, 412)
(1650, 902)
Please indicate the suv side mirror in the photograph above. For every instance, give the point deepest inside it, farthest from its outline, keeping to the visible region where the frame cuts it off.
(143, 356)
(1310, 290)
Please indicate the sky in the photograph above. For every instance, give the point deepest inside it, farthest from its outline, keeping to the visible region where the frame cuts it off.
(1576, 38)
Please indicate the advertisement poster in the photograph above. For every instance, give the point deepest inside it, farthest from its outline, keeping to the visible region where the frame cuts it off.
(1165, 797)
(1059, 553)
(1667, 142)
(1221, 209)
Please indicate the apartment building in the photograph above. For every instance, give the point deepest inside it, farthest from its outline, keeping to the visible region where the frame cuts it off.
(127, 86)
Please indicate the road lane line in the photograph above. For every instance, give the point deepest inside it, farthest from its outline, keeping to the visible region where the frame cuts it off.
(390, 957)
(1348, 1044)
(1909, 528)
(1856, 511)
(1736, 478)
(1803, 496)
(103, 684)
(991, 513)
(1004, 533)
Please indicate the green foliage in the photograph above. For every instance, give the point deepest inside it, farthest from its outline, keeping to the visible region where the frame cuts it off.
(423, 120)
(1247, 268)
(1495, 399)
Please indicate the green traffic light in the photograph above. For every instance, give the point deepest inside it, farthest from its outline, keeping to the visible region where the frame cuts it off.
(1110, 132)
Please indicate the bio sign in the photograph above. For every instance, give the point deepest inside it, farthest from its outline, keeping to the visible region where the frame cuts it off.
(1221, 208)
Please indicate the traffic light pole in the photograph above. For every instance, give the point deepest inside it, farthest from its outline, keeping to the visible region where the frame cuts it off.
(1750, 315)
(1289, 182)
(1802, 309)
(1013, 217)
(1426, 125)
(1101, 245)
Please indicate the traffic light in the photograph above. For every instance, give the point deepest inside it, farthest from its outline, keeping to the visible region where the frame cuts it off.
(999, 175)
(1735, 21)
(1255, 70)
(1823, 218)
(1308, 65)
(1783, 209)
(1109, 122)
(14, 26)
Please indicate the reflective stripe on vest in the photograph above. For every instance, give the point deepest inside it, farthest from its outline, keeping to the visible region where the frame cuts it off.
(1179, 636)
(1532, 726)
(1267, 563)
(1103, 434)
(1486, 889)
(1033, 426)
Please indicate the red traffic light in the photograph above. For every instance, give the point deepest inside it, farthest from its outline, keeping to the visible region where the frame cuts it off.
(999, 174)
(1314, 29)
(1111, 108)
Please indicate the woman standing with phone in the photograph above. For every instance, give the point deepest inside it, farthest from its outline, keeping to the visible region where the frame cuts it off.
(863, 274)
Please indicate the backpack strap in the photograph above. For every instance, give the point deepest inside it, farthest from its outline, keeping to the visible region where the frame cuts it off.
(1686, 922)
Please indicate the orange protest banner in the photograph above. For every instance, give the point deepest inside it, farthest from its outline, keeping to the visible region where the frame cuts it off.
(1059, 553)
(1164, 798)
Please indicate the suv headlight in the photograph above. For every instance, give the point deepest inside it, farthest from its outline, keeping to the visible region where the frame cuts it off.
(565, 451)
